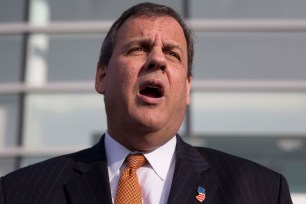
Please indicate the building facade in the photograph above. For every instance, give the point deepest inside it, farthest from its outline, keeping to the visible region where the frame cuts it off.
(248, 92)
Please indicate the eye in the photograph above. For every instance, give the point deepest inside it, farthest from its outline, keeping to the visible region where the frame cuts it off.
(136, 49)
(173, 54)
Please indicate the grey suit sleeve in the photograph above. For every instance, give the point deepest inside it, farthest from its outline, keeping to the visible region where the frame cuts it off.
(284, 193)
(1, 192)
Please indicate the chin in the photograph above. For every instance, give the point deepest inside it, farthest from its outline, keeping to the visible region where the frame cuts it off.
(150, 125)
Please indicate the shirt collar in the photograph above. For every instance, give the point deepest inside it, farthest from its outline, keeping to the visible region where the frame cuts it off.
(115, 155)
(160, 159)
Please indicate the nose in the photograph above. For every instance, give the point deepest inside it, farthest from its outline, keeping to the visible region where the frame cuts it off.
(156, 60)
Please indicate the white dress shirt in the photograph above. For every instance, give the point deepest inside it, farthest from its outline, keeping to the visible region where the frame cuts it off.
(155, 177)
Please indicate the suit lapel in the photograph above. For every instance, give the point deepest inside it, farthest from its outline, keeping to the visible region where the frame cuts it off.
(91, 183)
(191, 171)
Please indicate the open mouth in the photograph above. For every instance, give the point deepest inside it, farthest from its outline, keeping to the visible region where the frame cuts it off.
(153, 90)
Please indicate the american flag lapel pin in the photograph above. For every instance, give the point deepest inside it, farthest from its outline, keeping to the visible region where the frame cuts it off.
(201, 194)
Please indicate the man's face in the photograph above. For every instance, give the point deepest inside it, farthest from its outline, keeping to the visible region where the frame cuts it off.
(145, 85)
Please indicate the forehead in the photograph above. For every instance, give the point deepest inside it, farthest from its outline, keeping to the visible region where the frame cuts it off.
(164, 27)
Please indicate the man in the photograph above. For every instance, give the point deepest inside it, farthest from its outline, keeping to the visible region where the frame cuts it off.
(144, 73)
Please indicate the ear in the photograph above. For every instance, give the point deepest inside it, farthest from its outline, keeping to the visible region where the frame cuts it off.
(188, 89)
(100, 79)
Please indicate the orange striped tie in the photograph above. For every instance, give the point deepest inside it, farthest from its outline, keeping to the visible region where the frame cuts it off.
(128, 190)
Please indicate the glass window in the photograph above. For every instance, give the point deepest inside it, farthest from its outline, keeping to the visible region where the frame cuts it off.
(63, 57)
(26, 161)
(12, 10)
(281, 114)
(63, 119)
(67, 10)
(10, 58)
(7, 165)
(9, 120)
(250, 56)
(260, 9)
(73, 57)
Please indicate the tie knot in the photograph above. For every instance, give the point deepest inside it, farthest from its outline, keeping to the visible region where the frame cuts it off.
(135, 160)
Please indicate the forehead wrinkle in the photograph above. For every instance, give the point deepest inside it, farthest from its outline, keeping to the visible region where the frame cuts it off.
(172, 45)
(149, 41)
(137, 41)
(166, 43)
(143, 35)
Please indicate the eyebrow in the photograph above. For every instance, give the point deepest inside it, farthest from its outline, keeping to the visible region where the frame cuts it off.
(137, 41)
(148, 42)
(171, 46)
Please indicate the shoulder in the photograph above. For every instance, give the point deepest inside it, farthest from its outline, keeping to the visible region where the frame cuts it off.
(235, 170)
(62, 164)
(56, 170)
(30, 183)
(44, 182)
(40, 171)
(222, 161)
(246, 176)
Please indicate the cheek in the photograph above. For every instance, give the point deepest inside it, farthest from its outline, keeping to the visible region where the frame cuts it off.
(123, 78)
(180, 87)
(116, 72)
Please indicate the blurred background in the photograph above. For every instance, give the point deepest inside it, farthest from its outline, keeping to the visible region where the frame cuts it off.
(248, 92)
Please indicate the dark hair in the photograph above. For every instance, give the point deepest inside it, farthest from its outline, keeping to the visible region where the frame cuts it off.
(150, 10)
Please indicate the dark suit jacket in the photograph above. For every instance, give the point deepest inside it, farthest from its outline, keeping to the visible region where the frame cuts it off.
(82, 177)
